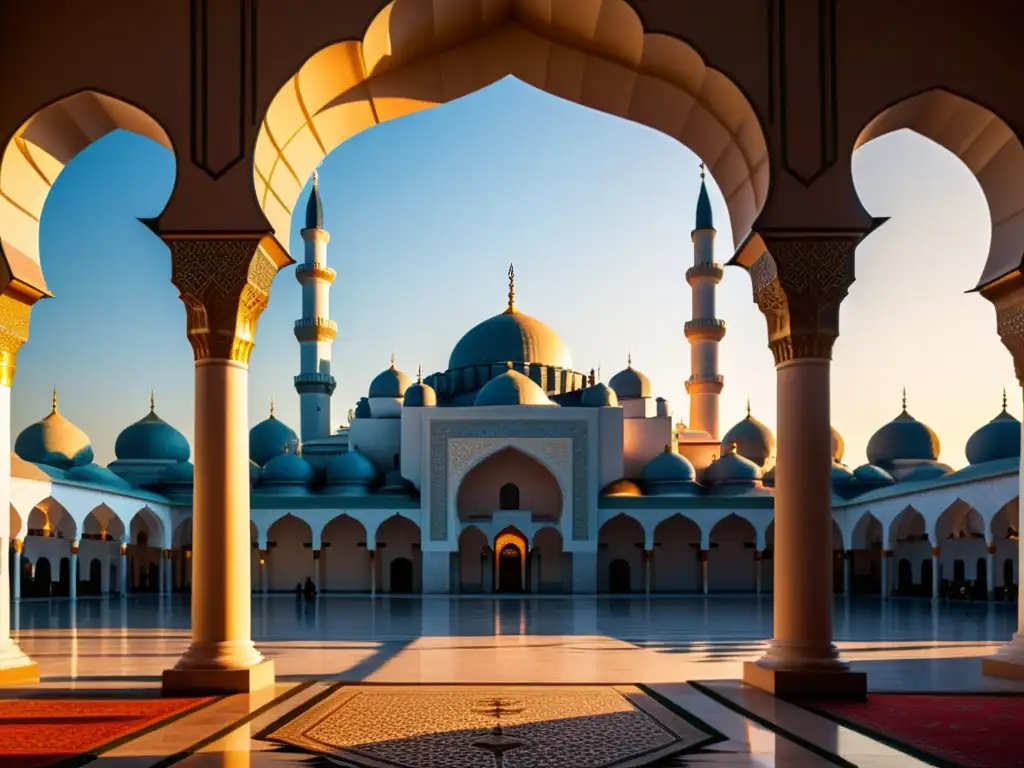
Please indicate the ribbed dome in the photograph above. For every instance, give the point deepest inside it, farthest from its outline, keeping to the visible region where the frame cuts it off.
(903, 438)
(54, 441)
(924, 472)
(510, 337)
(668, 466)
(512, 388)
(286, 469)
(870, 474)
(270, 438)
(419, 395)
(96, 475)
(838, 445)
(630, 383)
(182, 473)
(390, 382)
(622, 487)
(350, 468)
(753, 440)
(152, 438)
(999, 439)
(599, 396)
(732, 468)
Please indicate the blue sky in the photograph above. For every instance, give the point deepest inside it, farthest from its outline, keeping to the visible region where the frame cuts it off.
(427, 212)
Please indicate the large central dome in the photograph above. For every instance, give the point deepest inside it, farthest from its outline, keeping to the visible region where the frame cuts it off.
(510, 337)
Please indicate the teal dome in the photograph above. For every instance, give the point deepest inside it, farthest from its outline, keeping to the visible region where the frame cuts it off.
(999, 439)
(599, 396)
(180, 474)
(350, 469)
(838, 445)
(286, 469)
(512, 388)
(54, 441)
(869, 474)
(924, 472)
(152, 438)
(704, 218)
(668, 466)
(390, 383)
(841, 473)
(630, 383)
(420, 395)
(732, 468)
(270, 438)
(94, 474)
(753, 440)
(510, 337)
(903, 438)
(362, 410)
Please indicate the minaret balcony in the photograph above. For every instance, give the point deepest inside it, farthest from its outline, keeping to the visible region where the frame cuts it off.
(306, 273)
(315, 329)
(705, 383)
(704, 328)
(702, 273)
(315, 383)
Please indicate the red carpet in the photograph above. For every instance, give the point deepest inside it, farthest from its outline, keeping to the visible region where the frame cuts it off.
(40, 732)
(970, 731)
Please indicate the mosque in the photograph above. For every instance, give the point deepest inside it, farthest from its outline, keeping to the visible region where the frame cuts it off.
(512, 471)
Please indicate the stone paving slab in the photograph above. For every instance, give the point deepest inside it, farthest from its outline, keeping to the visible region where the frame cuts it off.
(476, 726)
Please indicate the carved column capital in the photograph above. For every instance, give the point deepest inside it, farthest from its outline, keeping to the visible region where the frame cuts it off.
(799, 283)
(224, 283)
(15, 311)
(1007, 295)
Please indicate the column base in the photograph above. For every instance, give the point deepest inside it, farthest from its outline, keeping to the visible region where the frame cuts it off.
(22, 674)
(807, 684)
(218, 681)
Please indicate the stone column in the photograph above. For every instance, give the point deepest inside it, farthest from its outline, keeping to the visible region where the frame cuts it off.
(19, 546)
(122, 571)
(224, 284)
(316, 570)
(936, 573)
(648, 565)
(15, 308)
(886, 585)
(1007, 294)
(165, 571)
(704, 571)
(990, 572)
(799, 283)
(758, 559)
(263, 571)
(847, 572)
(373, 572)
(73, 572)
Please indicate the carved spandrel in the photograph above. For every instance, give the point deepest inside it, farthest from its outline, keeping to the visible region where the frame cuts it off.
(799, 288)
(1008, 298)
(225, 286)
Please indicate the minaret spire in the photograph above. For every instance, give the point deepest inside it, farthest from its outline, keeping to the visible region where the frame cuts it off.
(511, 291)
(748, 406)
(272, 408)
(904, 399)
(54, 408)
(152, 401)
(1004, 399)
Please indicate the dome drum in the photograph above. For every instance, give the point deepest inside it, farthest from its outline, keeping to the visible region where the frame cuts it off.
(350, 474)
(287, 474)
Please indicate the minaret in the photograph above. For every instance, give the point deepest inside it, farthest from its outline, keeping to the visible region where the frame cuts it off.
(316, 331)
(704, 331)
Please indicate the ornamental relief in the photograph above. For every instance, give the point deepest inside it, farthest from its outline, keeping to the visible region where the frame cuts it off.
(463, 453)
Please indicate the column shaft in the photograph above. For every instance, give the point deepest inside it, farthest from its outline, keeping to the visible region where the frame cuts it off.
(16, 571)
(122, 572)
(847, 572)
(758, 559)
(704, 571)
(73, 573)
(990, 572)
(886, 575)
(936, 575)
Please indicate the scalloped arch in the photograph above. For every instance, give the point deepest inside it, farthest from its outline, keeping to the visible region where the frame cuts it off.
(416, 55)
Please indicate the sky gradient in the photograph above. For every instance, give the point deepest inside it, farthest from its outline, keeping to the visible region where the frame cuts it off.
(425, 215)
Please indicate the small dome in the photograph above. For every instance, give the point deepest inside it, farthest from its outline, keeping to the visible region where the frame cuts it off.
(924, 472)
(903, 438)
(182, 473)
(420, 395)
(668, 466)
(622, 487)
(390, 382)
(286, 469)
(94, 474)
(704, 218)
(630, 384)
(999, 439)
(351, 468)
(270, 438)
(54, 441)
(152, 438)
(753, 440)
(512, 388)
(841, 473)
(838, 445)
(362, 410)
(732, 468)
(870, 474)
(599, 396)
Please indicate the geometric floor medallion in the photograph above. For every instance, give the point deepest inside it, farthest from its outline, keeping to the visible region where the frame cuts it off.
(587, 726)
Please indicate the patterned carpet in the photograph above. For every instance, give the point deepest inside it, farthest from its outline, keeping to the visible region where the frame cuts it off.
(41, 732)
(968, 731)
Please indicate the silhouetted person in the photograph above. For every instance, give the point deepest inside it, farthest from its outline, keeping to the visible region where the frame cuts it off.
(309, 589)
(298, 589)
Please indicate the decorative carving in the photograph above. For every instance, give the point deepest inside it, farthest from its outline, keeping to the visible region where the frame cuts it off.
(14, 319)
(225, 286)
(487, 435)
(798, 287)
(1007, 295)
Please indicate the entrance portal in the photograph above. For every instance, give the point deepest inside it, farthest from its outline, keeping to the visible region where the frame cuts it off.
(510, 568)
(401, 576)
(619, 577)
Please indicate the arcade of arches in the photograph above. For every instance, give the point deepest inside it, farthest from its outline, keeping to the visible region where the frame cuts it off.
(273, 104)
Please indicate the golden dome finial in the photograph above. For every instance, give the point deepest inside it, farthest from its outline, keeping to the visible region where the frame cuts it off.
(748, 406)
(904, 399)
(511, 310)
(392, 359)
(272, 408)
(733, 447)
(419, 373)
(1004, 398)
(152, 401)
(599, 370)
(702, 170)
(508, 364)
(54, 408)
(629, 359)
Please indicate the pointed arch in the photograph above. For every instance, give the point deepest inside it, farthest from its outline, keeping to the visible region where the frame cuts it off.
(675, 564)
(346, 560)
(732, 564)
(490, 482)
(400, 561)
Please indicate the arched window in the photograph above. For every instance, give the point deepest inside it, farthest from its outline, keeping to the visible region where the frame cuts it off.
(508, 496)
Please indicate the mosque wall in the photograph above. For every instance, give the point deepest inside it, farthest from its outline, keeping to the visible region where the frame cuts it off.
(642, 440)
(413, 445)
(380, 440)
(610, 442)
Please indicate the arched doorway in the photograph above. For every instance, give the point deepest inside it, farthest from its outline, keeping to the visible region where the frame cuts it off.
(508, 497)
(620, 538)
(904, 576)
(42, 578)
(619, 577)
(509, 480)
(510, 561)
(401, 576)
(95, 583)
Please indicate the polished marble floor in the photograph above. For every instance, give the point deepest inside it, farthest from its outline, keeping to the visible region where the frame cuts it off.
(661, 642)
